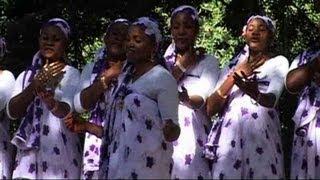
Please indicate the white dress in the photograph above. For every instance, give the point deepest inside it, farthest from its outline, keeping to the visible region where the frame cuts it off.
(6, 149)
(46, 148)
(189, 161)
(136, 147)
(245, 142)
(92, 143)
(306, 143)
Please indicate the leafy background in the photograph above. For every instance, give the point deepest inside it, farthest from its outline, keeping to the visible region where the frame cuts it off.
(221, 26)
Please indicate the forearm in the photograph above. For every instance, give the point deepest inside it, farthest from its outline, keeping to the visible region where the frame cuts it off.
(18, 105)
(265, 99)
(177, 72)
(216, 101)
(195, 102)
(298, 78)
(90, 96)
(94, 129)
(59, 109)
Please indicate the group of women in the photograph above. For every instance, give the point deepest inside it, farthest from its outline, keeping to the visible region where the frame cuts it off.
(150, 117)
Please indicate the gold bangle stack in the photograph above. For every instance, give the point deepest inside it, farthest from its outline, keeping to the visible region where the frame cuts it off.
(221, 95)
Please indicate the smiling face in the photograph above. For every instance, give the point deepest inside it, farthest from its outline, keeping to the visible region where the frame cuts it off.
(184, 31)
(115, 39)
(139, 46)
(258, 36)
(52, 43)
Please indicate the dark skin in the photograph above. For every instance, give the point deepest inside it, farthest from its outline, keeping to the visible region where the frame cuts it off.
(52, 43)
(75, 124)
(184, 31)
(115, 43)
(302, 76)
(257, 37)
(140, 48)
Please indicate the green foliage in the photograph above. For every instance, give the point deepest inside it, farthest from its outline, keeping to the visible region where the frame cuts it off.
(213, 35)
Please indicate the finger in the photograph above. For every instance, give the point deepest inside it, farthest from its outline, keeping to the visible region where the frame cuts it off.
(57, 67)
(237, 77)
(55, 64)
(244, 75)
(183, 89)
(58, 74)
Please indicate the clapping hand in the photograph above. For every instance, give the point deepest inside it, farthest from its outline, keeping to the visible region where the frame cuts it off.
(246, 85)
(50, 73)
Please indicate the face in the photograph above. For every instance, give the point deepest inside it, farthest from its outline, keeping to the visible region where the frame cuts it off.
(115, 39)
(184, 31)
(52, 43)
(139, 47)
(257, 35)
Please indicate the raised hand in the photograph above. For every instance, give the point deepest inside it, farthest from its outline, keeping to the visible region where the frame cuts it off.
(246, 85)
(50, 74)
(113, 71)
(249, 66)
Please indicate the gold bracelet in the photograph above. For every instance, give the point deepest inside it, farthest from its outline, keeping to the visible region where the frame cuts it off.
(180, 66)
(104, 84)
(221, 95)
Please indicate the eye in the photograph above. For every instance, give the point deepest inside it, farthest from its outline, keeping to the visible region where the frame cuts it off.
(175, 27)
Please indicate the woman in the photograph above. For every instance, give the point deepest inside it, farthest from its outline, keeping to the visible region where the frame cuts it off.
(196, 76)
(303, 79)
(91, 91)
(6, 86)
(142, 112)
(42, 97)
(245, 141)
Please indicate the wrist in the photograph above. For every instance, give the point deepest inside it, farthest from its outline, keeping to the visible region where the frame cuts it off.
(181, 67)
(104, 82)
(55, 106)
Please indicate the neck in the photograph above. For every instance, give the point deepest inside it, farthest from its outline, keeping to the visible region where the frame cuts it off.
(254, 53)
(181, 52)
(117, 58)
(142, 68)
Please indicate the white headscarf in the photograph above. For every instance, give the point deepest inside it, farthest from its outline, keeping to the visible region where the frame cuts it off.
(268, 21)
(188, 9)
(151, 28)
(61, 24)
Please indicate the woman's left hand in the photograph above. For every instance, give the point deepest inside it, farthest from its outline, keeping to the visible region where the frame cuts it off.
(183, 95)
(47, 97)
(246, 85)
(171, 131)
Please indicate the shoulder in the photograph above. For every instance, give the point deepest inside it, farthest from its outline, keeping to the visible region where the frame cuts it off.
(279, 63)
(209, 60)
(280, 60)
(71, 71)
(162, 76)
(88, 67)
(7, 75)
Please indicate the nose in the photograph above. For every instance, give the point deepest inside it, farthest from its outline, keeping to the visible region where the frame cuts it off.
(181, 31)
(256, 32)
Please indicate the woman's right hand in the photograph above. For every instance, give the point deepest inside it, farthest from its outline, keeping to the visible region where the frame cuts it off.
(113, 71)
(73, 124)
(48, 73)
(249, 66)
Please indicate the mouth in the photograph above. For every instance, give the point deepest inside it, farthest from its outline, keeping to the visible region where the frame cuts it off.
(255, 40)
(182, 40)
